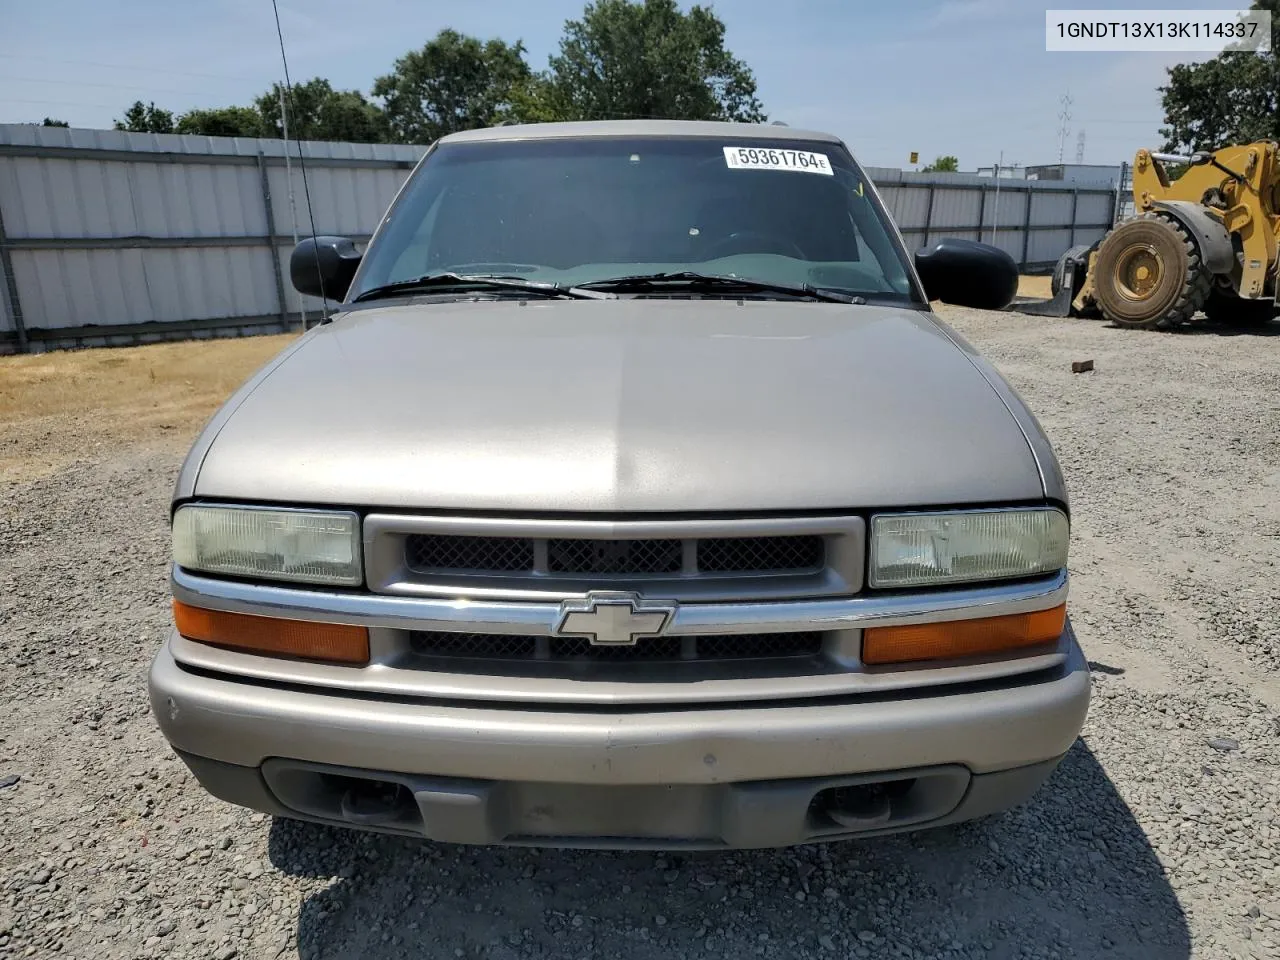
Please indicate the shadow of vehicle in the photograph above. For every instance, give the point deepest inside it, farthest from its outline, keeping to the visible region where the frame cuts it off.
(1207, 328)
(1199, 328)
(1070, 874)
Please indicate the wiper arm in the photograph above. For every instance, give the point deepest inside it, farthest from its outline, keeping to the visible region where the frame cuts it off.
(715, 281)
(446, 281)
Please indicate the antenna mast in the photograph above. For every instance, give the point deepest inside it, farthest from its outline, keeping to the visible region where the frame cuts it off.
(288, 174)
(302, 165)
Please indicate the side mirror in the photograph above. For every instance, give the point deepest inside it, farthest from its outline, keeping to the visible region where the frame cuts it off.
(968, 274)
(1200, 158)
(324, 266)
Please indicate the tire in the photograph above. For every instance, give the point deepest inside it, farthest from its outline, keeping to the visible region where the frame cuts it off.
(1075, 253)
(1148, 274)
(1227, 310)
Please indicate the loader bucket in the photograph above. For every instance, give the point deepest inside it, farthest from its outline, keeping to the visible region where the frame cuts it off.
(1060, 304)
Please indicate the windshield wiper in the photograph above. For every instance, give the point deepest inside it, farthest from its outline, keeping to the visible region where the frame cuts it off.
(646, 282)
(460, 281)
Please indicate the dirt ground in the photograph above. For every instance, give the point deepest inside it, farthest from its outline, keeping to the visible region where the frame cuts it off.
(1158, 838)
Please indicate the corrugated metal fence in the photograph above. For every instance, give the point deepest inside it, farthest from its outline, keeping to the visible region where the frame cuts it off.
(109, 238)
(1035, 221)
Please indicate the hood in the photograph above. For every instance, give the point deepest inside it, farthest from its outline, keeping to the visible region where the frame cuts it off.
(623, 406)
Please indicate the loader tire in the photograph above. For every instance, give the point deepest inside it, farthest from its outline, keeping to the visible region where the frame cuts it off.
(1227, 310)
(1149, 275)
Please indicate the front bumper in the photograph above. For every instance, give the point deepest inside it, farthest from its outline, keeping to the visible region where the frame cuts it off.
(719, 776)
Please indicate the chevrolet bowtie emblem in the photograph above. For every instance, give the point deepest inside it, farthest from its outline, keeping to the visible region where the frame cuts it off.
(610, 619)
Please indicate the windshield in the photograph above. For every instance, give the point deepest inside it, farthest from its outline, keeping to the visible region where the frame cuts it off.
(573, 211)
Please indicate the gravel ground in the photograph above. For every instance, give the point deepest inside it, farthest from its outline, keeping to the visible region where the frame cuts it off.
(1158, 837)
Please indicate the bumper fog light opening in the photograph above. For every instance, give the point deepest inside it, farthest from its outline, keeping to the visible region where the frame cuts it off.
(376, 803)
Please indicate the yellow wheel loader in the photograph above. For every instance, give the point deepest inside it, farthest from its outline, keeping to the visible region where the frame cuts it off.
(1209, 240)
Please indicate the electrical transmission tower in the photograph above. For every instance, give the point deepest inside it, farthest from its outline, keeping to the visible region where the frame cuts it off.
(1064, 128)
(1080, 148)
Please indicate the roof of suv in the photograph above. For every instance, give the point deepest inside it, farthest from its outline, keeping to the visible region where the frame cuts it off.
(640, 128)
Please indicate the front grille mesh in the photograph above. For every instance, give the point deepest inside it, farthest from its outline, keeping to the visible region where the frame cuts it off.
(473, 646)
(497, 646)
(432, 552)
(755, 554)
(759, 646)
(580, 648)
(614, 556)
(436, 553)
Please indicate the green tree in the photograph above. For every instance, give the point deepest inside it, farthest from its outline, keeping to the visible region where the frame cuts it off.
(536, 99)
(146, 118)
(454, 82)
(1233, 98)
(318, 112)
(645, 58)
(947, 164)
(50, 122)
(223, 122)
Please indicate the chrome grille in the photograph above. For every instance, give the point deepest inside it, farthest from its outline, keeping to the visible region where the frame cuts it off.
(694, 560)
(499, 647)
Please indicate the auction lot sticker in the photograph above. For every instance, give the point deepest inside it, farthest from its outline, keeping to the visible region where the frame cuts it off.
(777, 158)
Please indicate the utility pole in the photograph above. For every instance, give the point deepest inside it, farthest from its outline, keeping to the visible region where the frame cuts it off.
(999, 168)
(1064, 124)
(995, 214)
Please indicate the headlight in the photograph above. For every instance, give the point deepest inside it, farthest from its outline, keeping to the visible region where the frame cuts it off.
(928, 549)
(309, 546)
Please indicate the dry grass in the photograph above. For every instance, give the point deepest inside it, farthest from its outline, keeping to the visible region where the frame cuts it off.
(56, 407)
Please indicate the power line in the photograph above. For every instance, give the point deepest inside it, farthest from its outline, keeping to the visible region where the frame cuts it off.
(64, 103)
(122, 66)
(98, 83)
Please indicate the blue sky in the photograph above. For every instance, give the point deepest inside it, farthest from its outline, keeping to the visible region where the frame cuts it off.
(967, 77)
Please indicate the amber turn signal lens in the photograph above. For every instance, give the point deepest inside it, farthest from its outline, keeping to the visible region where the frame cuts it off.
(962, 638)
(274, 637)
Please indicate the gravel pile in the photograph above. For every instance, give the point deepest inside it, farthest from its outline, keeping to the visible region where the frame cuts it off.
(1158, 837)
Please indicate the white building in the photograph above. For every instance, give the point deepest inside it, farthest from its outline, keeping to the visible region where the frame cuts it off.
(1075, 172)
